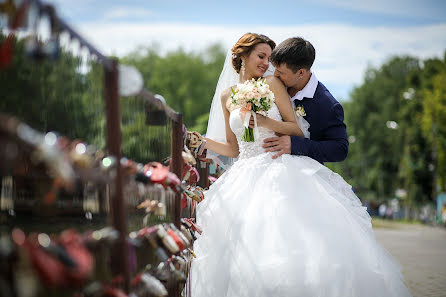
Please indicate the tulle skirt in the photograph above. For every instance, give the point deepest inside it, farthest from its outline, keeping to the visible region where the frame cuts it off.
(288, 227)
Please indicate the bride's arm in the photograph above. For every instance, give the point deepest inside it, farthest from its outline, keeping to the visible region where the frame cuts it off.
(230, 147)
(288, 126)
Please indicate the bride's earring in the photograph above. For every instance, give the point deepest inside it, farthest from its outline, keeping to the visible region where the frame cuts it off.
(242, 69)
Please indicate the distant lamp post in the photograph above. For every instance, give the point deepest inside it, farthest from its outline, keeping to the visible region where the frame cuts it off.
(351, 139)
(409, 94)
(392, 125)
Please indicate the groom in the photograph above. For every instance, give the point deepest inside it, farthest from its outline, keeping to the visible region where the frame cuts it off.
(328, 141)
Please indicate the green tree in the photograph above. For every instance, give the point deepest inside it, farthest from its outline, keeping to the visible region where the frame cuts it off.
(408, 154)
(433, 119)
(54, 95)
(374, 157)
(186, 80)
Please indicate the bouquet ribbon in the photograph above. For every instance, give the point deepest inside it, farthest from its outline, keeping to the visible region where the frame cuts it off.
(245, 115)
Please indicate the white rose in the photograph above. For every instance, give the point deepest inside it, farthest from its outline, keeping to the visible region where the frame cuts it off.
(262, 90)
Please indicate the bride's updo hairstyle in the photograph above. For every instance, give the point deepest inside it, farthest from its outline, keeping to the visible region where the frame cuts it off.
(245, 45)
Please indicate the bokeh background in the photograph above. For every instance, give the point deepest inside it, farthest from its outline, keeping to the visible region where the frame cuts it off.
(385, 61)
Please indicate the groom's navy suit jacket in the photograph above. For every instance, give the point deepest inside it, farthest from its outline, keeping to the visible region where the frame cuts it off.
(328, 135)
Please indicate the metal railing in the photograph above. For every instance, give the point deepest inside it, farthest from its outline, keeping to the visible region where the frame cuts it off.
(114, 137)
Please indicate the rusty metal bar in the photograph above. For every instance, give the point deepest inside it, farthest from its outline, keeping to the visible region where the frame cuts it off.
(63, 26)
(106, 62)
(117, 203)
(151, 99)
(177, 147)
(203, 170)
(176, 167)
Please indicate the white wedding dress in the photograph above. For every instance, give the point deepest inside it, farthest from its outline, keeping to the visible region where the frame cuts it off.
(286, 227)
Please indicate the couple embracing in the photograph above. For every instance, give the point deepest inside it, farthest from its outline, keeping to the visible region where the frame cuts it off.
(278, 222)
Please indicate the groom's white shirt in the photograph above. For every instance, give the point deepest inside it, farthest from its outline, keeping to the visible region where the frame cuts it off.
(308, 91)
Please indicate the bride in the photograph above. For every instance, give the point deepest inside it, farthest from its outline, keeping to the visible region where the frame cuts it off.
(286, 226)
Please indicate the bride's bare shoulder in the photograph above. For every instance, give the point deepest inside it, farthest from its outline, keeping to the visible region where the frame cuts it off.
(226, 98)
(274, 81)
(226, 94)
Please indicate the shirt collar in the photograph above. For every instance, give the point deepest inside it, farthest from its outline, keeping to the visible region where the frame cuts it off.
(309, 89)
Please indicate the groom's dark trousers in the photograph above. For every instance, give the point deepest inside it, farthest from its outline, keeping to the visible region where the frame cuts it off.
(328, 135)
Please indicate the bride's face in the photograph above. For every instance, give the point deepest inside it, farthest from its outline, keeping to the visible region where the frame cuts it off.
(257, 62)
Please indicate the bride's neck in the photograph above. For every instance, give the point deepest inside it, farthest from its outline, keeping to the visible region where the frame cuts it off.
(246, 77)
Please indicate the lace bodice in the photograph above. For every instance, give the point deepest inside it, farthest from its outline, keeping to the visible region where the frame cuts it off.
(250, 149)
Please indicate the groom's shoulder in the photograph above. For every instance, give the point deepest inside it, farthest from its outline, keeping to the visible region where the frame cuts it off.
(324, 95)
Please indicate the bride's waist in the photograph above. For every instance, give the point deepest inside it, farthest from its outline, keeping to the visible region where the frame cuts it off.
(250, 149)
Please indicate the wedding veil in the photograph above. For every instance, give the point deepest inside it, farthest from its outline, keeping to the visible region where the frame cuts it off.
(216, 123)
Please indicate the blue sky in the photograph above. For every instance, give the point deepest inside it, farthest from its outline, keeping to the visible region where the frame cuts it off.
(348, 35)
(374, 13)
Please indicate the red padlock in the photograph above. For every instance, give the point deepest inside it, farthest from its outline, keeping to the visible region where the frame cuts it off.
(190, 173)
(114, 292)
(49, 268)
(60, 263)
(72, 242)
(177, 239)
(194, 226)
(158, 172)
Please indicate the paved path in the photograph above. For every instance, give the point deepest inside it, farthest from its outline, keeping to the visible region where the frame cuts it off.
(421, 251)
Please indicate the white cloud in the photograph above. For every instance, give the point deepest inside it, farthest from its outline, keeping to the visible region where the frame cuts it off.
(409, 8)
(126, 12)
(343, 51)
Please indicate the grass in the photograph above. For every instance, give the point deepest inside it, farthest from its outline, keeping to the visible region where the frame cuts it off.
(393, 224)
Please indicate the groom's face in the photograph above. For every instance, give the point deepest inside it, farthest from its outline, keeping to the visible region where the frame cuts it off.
(287, 76)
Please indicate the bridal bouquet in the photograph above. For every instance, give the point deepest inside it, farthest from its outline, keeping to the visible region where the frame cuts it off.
(253, 96)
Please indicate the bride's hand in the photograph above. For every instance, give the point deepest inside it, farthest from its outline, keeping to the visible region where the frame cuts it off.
(261, 121)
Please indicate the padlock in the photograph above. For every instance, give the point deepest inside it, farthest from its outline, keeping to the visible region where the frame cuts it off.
(180, 234)
(178, 275)
(168, 242)
(186, 233)
(145, 284)
(181, 245)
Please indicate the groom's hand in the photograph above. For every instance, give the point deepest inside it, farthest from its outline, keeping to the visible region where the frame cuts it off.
(280, 144)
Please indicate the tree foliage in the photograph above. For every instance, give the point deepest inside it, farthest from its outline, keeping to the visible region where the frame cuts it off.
(186, 80)
(409, 156)
(54, 95)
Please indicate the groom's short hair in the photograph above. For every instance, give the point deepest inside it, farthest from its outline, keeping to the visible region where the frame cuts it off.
(295, 52)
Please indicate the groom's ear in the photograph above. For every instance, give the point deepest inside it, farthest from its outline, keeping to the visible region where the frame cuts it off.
(299, 72)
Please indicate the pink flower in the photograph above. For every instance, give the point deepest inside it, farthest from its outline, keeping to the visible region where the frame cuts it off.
(257, 95)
